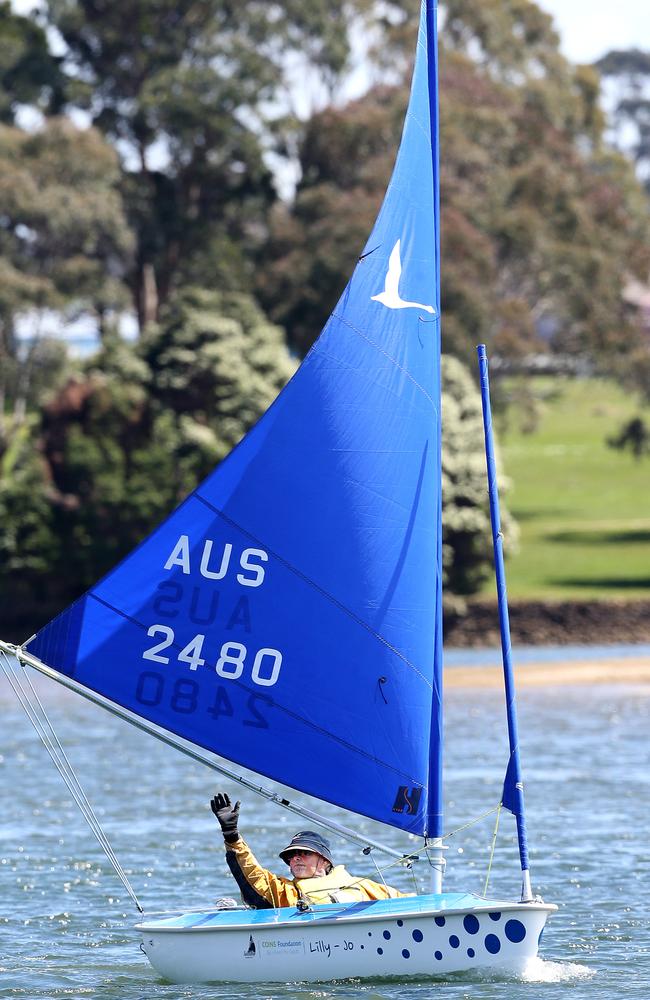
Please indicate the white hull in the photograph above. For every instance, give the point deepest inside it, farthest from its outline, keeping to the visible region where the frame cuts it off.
(411, 936)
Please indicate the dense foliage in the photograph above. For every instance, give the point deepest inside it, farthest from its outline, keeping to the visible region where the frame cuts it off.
(125, 439)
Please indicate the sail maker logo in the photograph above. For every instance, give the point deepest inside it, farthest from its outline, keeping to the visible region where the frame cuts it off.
(407, 801)
(391, 296)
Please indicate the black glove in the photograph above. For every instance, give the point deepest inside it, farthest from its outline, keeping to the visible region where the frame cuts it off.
(228, 816)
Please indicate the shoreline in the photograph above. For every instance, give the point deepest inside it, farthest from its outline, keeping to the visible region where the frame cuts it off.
(544, 673)
(540, 622)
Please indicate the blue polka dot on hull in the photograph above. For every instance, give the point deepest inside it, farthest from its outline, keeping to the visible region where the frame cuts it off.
(438, 956)
(492, 944)
(417, 935)
(406, 953)
(470, 923)
(454, 941)
(515, 931)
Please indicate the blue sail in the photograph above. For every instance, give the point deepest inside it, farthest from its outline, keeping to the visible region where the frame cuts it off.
(288, 614)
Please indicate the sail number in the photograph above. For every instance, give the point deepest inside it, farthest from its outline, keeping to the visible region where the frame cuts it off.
(153, 689)
(230, 664)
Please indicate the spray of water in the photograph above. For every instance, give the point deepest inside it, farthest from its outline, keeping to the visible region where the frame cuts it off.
(539, 971)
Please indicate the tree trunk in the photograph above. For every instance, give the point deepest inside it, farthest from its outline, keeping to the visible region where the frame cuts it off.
(147, 295)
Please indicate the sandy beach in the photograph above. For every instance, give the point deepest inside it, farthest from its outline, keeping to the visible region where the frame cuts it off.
(623, 670)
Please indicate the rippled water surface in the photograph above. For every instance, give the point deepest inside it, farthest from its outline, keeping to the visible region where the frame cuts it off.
(66, 923)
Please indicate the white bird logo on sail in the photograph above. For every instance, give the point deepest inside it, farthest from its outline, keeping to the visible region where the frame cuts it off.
(390, 297)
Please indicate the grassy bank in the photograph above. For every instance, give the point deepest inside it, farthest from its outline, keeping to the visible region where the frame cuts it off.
(583, 508)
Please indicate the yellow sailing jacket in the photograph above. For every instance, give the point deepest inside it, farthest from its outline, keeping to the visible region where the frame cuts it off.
(262, 889)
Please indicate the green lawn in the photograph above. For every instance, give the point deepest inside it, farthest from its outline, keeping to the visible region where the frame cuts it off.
(583, 508)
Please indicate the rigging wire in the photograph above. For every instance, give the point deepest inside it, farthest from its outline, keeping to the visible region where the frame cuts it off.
(411, 872)
(35, 711)
(374, 861)
(409, 859)
(494, 844)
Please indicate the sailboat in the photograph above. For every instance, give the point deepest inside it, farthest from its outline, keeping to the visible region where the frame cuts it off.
(287, 618)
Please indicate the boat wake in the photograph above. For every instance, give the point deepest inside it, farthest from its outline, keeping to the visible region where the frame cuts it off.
(535, 970)
(539, 971)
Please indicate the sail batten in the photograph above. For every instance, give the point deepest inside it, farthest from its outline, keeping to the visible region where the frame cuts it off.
(287, 616)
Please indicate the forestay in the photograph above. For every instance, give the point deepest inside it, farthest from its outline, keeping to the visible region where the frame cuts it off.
(288, 614)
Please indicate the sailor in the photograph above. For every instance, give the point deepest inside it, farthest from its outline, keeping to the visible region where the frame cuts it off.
(314, 876)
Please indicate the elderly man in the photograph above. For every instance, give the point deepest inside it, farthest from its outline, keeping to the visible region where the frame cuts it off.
(314, 877)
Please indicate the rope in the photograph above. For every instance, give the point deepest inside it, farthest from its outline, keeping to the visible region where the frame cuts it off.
(472, 822)
(35, 711)
(494, 843)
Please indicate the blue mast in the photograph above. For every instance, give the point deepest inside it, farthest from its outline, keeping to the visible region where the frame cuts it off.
(513, 789)
(435, 817)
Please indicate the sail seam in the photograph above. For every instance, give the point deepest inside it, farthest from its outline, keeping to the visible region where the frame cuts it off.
(274, 703)
(385, 354)
(316, 586)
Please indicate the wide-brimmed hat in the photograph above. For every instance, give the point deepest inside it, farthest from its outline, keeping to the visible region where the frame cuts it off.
(307, 840)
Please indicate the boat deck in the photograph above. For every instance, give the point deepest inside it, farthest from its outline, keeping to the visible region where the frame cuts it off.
(380, 909)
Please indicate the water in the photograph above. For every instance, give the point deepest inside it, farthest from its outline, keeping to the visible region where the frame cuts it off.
(65, 922)
(553, 655)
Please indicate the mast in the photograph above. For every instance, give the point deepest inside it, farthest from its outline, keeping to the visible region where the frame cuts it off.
(513, 791)
(435, 843)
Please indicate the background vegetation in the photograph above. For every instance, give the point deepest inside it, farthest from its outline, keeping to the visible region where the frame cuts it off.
(142, 150)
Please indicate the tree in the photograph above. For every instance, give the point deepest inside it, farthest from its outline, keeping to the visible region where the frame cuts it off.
(346, 156)
(63, 241)
(191, 92)
(541, 223)
(466, 533)
(627, 76)
(29, 73)
(29, 546)
(217, 364)
(629, 71)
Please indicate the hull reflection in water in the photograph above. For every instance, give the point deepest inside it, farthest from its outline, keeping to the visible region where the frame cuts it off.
(412, 936)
